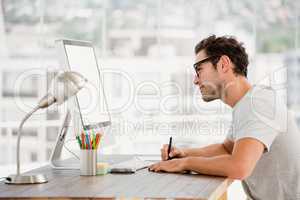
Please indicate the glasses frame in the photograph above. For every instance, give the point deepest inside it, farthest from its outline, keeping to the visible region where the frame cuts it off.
(197, 64)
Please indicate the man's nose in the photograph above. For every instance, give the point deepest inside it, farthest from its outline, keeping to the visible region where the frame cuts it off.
(196, 80)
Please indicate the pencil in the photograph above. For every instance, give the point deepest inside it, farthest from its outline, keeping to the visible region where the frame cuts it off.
(87, 141)
(91, 140)
(83, 141)
(94, 139)
(78, 140)
(98, 136)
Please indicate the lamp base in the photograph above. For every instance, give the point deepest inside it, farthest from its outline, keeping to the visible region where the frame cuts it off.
(26, 179)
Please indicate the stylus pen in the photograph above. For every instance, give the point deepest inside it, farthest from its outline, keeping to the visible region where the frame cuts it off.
(169, 148)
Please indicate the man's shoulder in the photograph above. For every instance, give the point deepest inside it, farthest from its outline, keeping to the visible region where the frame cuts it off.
(259, 98)
(263, 100)
(265, 105)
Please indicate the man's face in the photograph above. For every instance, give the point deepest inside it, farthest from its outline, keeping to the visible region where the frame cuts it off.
(207, 78)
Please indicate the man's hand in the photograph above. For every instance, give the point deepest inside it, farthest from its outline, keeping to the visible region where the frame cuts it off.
(175, 165)
(174, 153)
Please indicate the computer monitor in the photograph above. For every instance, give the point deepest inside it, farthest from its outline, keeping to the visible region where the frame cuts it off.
(91, 101)
(80, 56)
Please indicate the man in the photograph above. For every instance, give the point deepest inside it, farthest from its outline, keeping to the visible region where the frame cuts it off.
(262, 147)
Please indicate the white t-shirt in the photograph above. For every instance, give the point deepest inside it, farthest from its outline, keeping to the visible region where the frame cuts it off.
(262, 114)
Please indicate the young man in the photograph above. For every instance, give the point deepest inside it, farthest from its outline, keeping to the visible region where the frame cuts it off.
(262, 147)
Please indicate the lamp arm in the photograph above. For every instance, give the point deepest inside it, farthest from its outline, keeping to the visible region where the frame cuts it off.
(19, 137)
(46, 101)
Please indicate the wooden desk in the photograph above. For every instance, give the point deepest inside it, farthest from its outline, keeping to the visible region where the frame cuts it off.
(68, 184)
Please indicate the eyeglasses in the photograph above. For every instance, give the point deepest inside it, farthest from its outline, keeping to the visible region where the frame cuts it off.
(197, 64)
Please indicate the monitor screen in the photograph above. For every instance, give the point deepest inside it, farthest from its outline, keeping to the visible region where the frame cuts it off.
(91, 100)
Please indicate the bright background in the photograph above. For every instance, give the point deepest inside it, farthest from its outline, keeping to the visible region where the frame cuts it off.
(145, 51)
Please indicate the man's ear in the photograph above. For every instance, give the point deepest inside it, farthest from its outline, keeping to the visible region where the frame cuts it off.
(225, 63)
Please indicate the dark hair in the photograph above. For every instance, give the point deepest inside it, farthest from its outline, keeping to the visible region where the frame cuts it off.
(225, 45)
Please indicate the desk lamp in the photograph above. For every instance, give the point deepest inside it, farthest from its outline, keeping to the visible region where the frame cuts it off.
(63, 86)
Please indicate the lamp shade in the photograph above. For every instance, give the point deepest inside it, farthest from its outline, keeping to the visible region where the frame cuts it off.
(65, 85)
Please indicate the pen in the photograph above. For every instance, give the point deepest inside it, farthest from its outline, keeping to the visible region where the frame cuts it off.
(98, 136)
(83, 141)
(94, 139)
(87, 141)
(169, 148)
(91, 139)
(78, 139)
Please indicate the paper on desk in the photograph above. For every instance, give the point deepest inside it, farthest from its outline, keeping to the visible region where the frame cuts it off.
(150, 158)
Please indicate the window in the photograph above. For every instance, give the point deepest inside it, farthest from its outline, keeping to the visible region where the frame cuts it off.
(52, 133)
(48, 153)
(28, 87)
(27, 132)
(33, 156)
(3, 132)
(145, 41)
(52, 114)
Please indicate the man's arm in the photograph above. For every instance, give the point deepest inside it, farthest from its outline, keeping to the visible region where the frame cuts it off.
(211, 150)
(238, 165)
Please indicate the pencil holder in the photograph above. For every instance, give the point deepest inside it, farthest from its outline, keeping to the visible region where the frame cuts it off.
(88, 162)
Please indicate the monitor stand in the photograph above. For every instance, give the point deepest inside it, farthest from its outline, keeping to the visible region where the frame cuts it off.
(55, 161)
